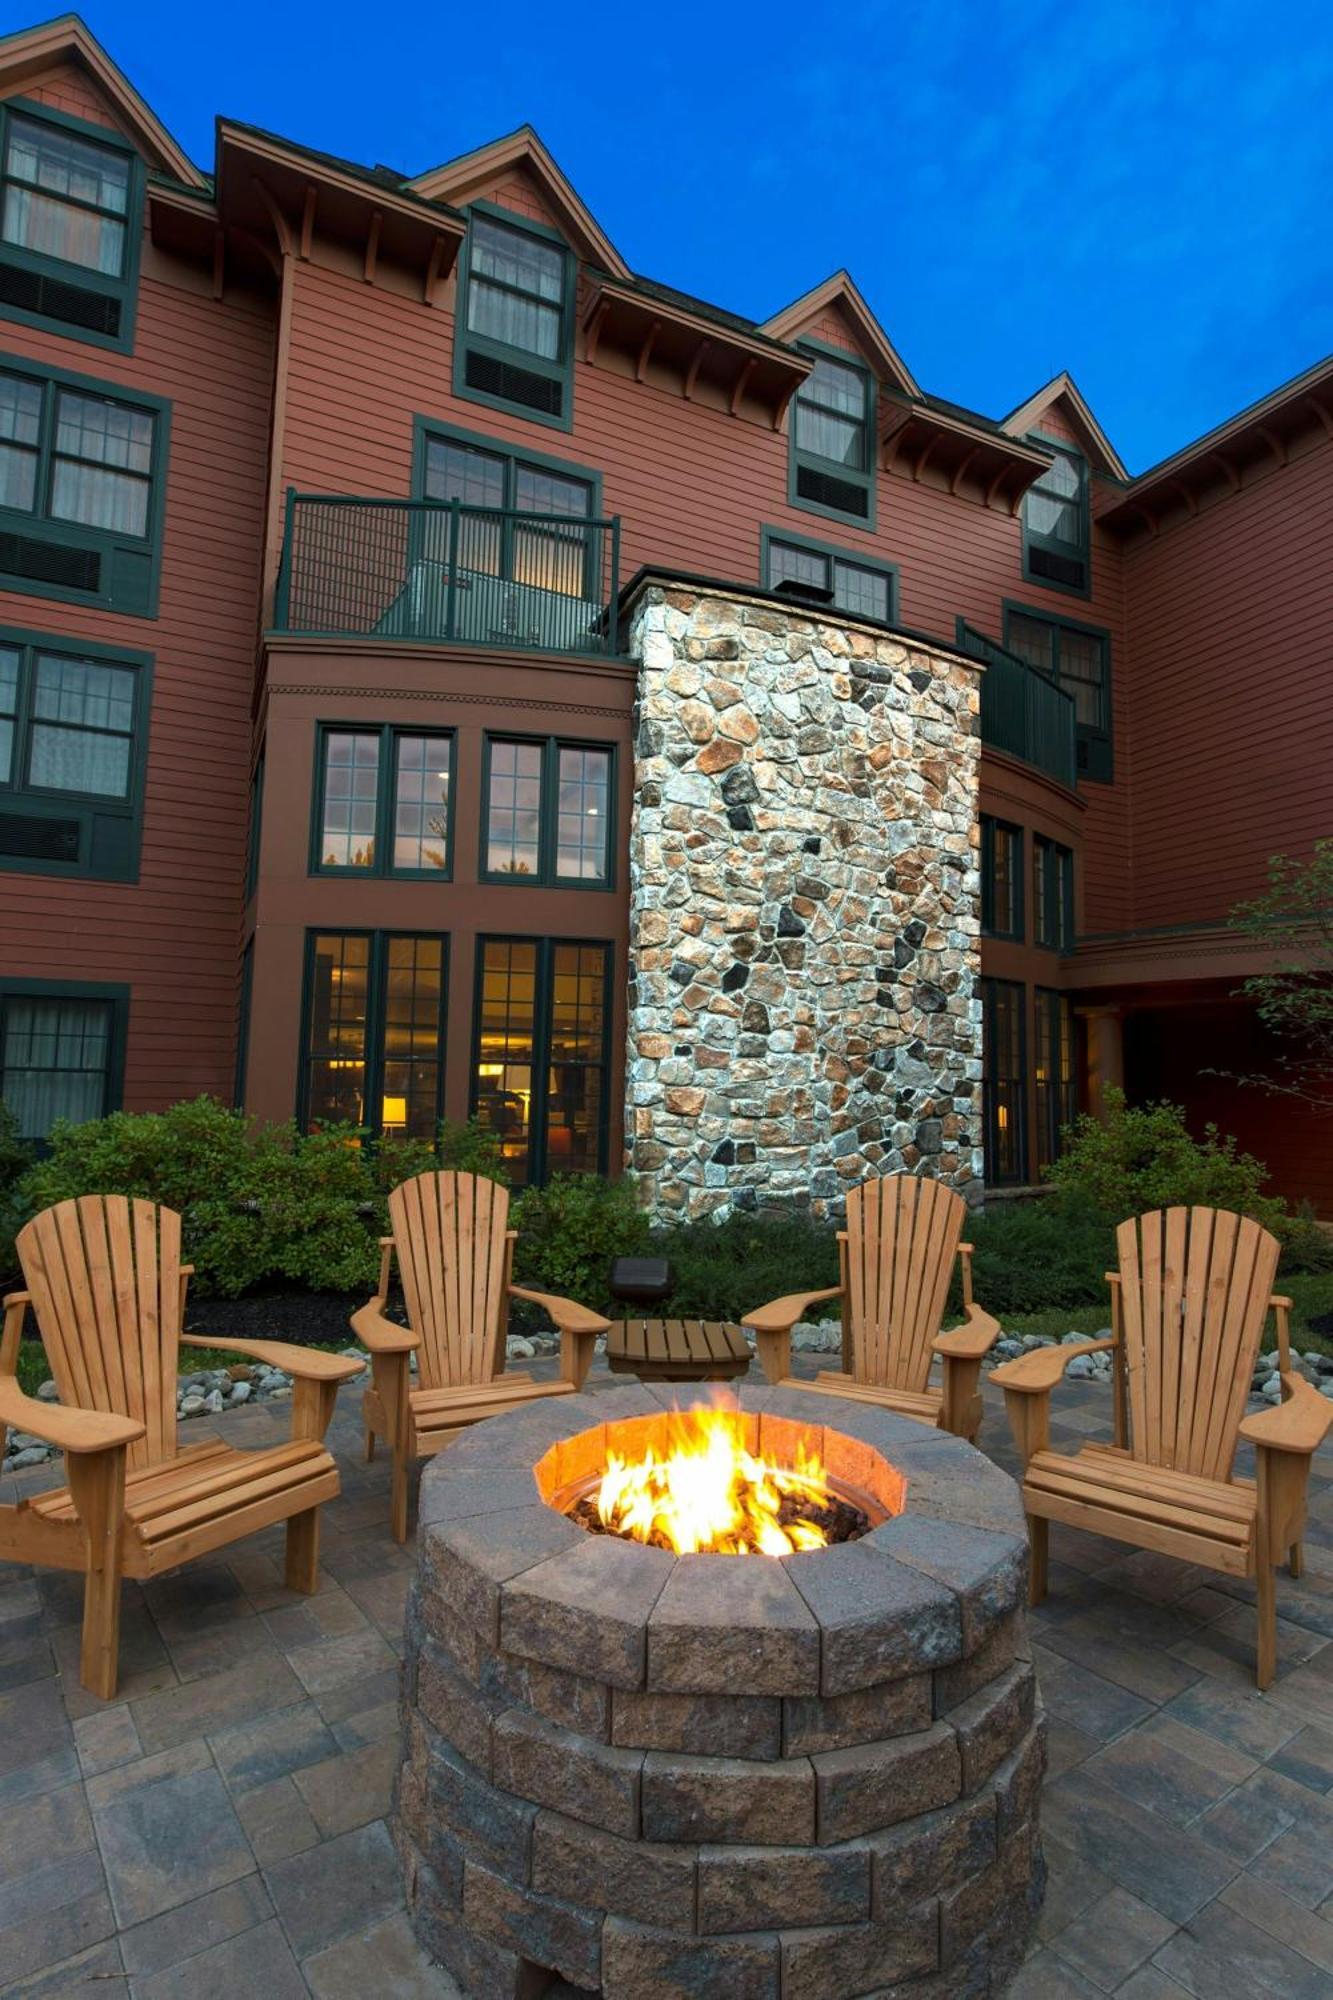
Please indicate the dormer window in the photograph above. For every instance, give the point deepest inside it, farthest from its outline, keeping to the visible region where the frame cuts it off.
(832, 440)
(515, 338)
(71, 197)
(1056, 532)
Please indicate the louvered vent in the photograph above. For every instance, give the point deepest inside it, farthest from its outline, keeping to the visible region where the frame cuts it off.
(28, 837)
(515, 385)
(1071, 570)
(50, 562)
(53, 298)
(826, 491)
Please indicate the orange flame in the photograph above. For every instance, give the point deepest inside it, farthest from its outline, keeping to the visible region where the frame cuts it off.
(709, 1494)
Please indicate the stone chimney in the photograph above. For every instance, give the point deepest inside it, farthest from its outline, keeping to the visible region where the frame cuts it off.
(804, 905)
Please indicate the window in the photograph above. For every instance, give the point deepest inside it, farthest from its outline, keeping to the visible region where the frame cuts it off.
(811, 570)
(73, 737)
(1001, 879)
(1078, 659)
(541, 1054)
(548, 812)
(1056, 532)
(515, 339)
(832, 455)
(71, 210)
(1052, 895)
(1004, 1080)
(62, 1053)
(1054, 1078)
(374, 1032)
(383, 803)
(81, 484)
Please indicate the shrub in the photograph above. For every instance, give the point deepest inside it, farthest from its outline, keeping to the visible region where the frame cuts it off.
(569, 1230)
(1142, 1157)
(1031, 1255)
(725, 1269)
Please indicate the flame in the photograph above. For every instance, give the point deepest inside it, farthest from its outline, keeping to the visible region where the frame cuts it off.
(709, 1494)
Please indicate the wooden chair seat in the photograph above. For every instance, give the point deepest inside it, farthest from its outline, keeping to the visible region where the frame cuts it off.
(927, 1406)
(208, 1496)
(1110, 1492)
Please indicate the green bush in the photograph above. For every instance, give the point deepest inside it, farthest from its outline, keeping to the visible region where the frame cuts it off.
(15, 1160)
(724, 1270)
(1031, 1255)
(1143, 1157)
(569, 1230)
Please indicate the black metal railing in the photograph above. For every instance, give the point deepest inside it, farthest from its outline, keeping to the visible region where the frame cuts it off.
(1022, 711)
(440, 570)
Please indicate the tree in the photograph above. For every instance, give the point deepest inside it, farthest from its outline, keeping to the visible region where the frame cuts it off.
(1293, 919)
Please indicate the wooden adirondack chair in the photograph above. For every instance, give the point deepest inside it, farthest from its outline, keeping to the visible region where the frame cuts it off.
(1188, 1305)
(897, 1255)
(106, 1283)
(455, 1257)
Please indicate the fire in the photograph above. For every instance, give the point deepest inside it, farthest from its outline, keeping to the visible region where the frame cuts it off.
(707, 1493)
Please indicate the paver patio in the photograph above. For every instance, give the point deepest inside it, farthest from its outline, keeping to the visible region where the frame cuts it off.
(220, 1827)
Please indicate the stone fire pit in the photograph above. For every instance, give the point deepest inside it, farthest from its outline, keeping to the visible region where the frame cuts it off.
(651, 1775)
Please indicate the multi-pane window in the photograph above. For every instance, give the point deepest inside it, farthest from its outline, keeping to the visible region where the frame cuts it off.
(65, 196)
(1055, 521)
(514, 344)
(548, 811)
(1054, 1078)
(1076, 658)
(1001, 879)
(81, 733)
(541, 1051)
(832, 439)
(383, 802)
(543, 554)
(373, 1046)
(805, 570)
(73, 737)
(59, 1058)
(1052, 894)
(1004, 1080)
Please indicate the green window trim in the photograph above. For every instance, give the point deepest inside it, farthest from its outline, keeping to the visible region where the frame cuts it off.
(427, 429)
(374, 1059)
(47, 830)
(991, 831)
(475, 352)
(834, 556)
(546, 875)
(822, 474)
(1094, 745)
(43, 556)
(1049, 560)
(1004, 1080)
(1055, 1071)
(255, 830)
(48, 281)
(1052, 894)
(539, 1163)
(117, 998)
(389, 738)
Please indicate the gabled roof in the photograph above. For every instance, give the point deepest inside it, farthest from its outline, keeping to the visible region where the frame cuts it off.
(457, 181)
(32, 50)
(839, 289)
(1063, 388)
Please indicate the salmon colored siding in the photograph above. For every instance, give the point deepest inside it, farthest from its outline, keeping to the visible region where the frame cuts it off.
(65, 89)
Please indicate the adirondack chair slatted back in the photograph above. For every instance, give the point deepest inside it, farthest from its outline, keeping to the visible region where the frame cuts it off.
(104, 1274)
(901, 1240)
(1195, 1285)
(453, 1259)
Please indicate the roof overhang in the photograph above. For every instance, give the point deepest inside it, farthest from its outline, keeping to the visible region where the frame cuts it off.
(459, 181)
(1063, 388)
(693, 345)
(27, 54)
(916, 435)
(840, 289)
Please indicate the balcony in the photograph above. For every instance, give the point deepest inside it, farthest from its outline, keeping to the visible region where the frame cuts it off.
(448, 574)
(1022, 712)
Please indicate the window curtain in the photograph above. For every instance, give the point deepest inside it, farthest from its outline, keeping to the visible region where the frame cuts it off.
(56, 1055)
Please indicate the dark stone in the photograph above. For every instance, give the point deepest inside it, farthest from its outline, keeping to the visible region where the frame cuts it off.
(879, 1784)
(647, 1880)
(700, 1725)
(735, 977)
(812, 844)
(903, 952)
(920, 1857)
(853, 1960)
(724, 1153)
(915, 932)
(930, 1135)
(811, 886)
(748, 1888)
(769, 1804)
(740, 819)
(789, 924)
(754, 1020)
(650, 794)
(866, 1715)
(557, 1768)
(739, 787)
(556, 1935)
(680, 974)
(929, 998)
(919, 680)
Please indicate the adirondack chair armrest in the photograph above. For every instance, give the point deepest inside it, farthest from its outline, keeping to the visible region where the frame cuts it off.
(780, 1315)
(1037, 1372)
(1299, 1423)
(67, 1428)
(381, 1335)
(970, 1341)
(567, 1314)
(307, 1364)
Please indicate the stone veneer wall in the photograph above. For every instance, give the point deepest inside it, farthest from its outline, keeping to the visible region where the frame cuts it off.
(804, 905)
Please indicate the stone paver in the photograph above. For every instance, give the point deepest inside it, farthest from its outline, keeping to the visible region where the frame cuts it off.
(220, 1827)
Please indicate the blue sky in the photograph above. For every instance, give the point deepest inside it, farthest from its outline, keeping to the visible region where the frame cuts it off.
(1138, 191)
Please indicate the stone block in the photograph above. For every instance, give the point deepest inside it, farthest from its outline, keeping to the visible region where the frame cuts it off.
(1017, 1782)
(720, 1625)
(727, 1799)
(744, 1888)
(554, 1934)
(466, 1562)
(587, 1609)
(990, 1723)
(918, 1857)
(987, 1572)
(454, 1708)
(864, 1715)
(999, 1903)
(640, 1963)
(856, 1960)
(878, 1619)
(956, 1683)
(702, 1725)
(571, 1700)
(487, 1823)
(650, 1881)
(557, 1768)
(481, 1970)
(878, 1784)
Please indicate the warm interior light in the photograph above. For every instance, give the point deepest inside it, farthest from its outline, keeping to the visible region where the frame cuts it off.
(707, 1493)
(1002, 1116)
(394, 1113)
